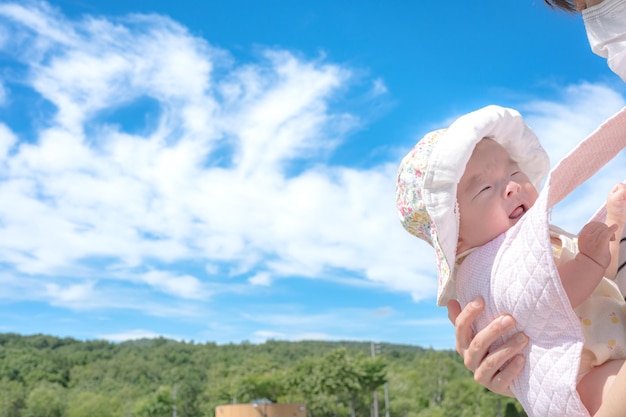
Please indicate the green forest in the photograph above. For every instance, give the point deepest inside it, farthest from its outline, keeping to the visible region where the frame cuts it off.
(47, 376)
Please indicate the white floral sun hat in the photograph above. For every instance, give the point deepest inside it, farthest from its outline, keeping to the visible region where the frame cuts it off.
(429, 174)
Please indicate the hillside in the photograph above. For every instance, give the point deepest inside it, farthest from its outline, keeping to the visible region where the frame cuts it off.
(46, 376)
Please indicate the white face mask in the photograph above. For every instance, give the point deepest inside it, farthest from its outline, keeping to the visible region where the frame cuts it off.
(606, 31)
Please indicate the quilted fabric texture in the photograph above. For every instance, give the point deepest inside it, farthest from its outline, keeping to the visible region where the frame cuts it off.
(515, 274)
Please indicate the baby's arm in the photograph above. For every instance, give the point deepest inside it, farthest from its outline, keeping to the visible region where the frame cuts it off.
(616, 215)
(583, 273)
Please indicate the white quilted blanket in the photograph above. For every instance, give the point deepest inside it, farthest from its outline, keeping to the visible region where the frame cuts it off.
(515, 273)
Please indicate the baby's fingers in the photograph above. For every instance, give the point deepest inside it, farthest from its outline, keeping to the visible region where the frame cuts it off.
(617, 196)
(619, 188)
(596, 232)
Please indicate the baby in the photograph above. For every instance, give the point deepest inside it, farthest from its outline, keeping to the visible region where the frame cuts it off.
(461, 188)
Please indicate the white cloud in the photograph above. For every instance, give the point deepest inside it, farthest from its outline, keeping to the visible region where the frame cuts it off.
(427, 322)
(134, 335)
(289, 322)
(261, 278)
(3, 93)
(228, 173)
(580, 110)
(210, 181)
(263, 336)
(7, 140)
(379, 87)
(70, 294)
(561, 126)
(384, 312)
(183, 286)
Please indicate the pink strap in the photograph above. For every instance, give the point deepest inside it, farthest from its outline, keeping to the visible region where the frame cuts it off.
(588, 157)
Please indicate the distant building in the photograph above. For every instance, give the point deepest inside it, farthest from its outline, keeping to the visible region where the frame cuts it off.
(261, 408)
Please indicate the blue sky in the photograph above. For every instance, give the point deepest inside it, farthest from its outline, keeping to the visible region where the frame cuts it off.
(225, 171)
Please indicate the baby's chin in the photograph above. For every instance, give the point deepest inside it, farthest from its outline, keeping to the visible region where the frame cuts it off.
(464, 246)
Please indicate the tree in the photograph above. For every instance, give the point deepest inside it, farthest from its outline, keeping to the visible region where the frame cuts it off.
(12, 398)
(159, 404)
(338, 381)
(269, 385)
(91, 404)
(187, 395)
(46, 400)
(433, 371)
(373, 374)
(47, 376)
(309, 381)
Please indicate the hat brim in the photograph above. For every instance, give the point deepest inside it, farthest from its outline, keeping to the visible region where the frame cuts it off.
(447, 164)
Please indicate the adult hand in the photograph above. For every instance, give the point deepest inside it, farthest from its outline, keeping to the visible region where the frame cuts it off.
(489, 367)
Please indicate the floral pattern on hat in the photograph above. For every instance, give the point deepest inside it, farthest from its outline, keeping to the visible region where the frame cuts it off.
(412, 210)
(410, 183)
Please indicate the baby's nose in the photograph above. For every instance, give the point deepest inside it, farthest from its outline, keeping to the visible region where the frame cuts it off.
(512, 188)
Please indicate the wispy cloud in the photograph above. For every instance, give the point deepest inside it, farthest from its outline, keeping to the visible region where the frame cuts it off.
(134, 335)
(158, 149)
(262, 336)
(158, 172)
(560, 125)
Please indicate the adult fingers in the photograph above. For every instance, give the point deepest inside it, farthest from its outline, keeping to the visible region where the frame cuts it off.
(462, 320)
(498, 369)
(482, 341)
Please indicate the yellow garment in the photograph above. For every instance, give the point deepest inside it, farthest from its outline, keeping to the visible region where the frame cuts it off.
(602, 316)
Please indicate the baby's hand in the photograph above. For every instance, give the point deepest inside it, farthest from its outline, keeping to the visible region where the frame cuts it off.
(593, 242)
(616, 205)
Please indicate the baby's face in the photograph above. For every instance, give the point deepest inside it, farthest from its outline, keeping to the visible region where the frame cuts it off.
(493, 195)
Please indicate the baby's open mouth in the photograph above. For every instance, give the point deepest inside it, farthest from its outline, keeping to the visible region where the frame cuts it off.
(518, 212)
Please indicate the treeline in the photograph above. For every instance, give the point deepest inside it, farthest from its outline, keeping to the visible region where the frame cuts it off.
(45, 376)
